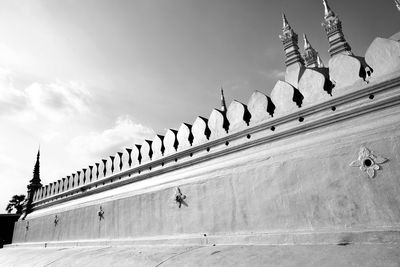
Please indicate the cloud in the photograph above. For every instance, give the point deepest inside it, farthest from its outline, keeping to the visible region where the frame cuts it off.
(125, 133)
(236, 85)
(272, 74)
(11, 99)
(52, 101)
(58, 99)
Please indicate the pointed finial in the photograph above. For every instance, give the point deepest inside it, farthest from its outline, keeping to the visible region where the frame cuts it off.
(310, 55)
(328, 11)
(285, 23)
(320, 64)
(223, 104)
(397, 2)
(306, 42)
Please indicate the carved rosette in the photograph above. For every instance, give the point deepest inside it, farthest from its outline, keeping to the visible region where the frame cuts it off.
(368, 162)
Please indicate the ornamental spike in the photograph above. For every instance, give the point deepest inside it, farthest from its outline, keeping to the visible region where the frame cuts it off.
(307, 44)
(328, 11)
(223, 103)
(285, 23)
(320, 63)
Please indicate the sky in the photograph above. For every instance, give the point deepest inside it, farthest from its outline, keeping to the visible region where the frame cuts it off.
(84, 79)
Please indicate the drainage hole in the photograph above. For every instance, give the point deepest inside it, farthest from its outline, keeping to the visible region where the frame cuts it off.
(208, 149)
(191, 154)
(301, 119)
(176, 160)
(272, 128)
(227, 143)
(162, 164)
(248, 136)
(333, 108)
(371, 96)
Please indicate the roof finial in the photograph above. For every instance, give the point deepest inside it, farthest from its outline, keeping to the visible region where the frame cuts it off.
(333, 29)
(328, 10)
(36, 169)
(320, 63)
(306, 42)
(310, 55)
(285, 23)
(223, 104)
(397, 2)
(289, 39)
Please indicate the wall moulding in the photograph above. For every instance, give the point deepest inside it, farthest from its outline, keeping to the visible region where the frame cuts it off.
(354, 103)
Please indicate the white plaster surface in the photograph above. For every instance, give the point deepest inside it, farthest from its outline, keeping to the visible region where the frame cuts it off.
(383, 55)
(293, 74)
(198, 128)
(169, 140)
(235, 115)
(257, 105)
(395, 37)
(311, 86)
(156, 145)
(302, 183)
(145, 150)
(344, 70)
(215, 123)
(282, 97)
(125, 159)
(183, 136)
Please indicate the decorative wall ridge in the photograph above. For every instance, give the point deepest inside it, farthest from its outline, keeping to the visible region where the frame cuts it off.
(268, 130)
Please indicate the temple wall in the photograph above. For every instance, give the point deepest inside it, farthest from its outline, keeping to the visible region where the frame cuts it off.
(317, 161)
(291, 190)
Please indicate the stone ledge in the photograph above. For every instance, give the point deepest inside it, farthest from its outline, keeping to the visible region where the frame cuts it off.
(218, 255)
(383, 236)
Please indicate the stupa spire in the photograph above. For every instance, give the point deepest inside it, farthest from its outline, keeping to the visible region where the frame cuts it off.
(333, 29)
(223, 103)
(33, 185)
(36, 170)
(310, 54)
(290, 43)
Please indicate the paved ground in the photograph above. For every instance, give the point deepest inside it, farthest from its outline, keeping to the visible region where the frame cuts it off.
(219, 255)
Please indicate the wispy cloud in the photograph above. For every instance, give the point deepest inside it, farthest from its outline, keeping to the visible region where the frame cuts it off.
(124, 133)
(272, 74)
(53, 101)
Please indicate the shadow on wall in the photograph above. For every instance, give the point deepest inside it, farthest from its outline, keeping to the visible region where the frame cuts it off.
(7, 227)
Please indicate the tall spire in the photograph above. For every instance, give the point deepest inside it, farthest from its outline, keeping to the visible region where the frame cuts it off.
(333, 29)
(310, 55)
(33, 186)
(36, 170)
(223, 104)
(290, 39)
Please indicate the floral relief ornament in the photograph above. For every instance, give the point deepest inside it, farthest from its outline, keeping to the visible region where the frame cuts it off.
(368, 162)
